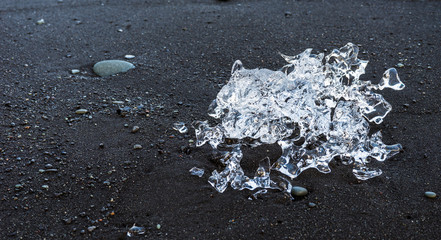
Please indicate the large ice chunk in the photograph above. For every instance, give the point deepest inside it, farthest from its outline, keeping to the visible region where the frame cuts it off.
(315, 108)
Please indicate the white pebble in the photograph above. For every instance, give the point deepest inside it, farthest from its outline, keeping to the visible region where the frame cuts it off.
(430, 194)
(81, 111)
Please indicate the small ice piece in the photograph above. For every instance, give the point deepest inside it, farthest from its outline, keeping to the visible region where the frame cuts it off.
(40, 22)
(256, 194)
(135, 230)
(180, 127)
(391, 80)
(197, 171)
(315, 108)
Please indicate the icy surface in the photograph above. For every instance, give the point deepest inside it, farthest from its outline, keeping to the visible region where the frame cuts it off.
(315, 108)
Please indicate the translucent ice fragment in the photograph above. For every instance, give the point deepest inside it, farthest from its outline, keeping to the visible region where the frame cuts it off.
(364, 173)
(180, 127)
(197, 171)
(135, 230)
(391, 80)
(315, 108)
(262, 176)
(205, 133)
(376, 108)
(256, 194)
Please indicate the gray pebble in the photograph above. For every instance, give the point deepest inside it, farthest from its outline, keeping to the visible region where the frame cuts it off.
(75, 71)
(137, 146)
(111, 67)
(297, 191)
(311, 204)
(135, 129)
(81, 111)
(430, 194)
(91, 228)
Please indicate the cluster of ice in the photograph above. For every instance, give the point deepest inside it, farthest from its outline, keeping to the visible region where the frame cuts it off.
(315, 108)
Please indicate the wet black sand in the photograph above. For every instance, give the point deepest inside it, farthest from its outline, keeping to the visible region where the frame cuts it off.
(184, 51)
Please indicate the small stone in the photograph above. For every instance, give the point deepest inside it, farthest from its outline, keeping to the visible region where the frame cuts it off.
(91, 228)
(311, 204)
(111, 67)
(81, 111)
(299, 191)
(75, 71)
(135, 129)
(129, 56)
(137, 146)
(40, 22)
(400, 65)
(158, 226)
(430, 194)
(67, 221)
(46, 187)
(101, 145)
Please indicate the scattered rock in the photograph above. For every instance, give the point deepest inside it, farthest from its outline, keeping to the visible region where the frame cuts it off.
(135, 129)
(91, 228)
(400, 65)
(81, 111)
(129, 56)
(75, 71)
(430, 194)
(137, 146)
(111, 67)
(40, 22)
(299, 191)
(311, 204)
(67, 221)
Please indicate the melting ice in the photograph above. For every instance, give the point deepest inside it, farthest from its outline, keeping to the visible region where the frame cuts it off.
(315, 108)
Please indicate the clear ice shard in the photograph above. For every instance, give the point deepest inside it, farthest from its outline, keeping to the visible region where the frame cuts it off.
(197, 171)
(135, 231)
(180, 127)
(315, 108)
